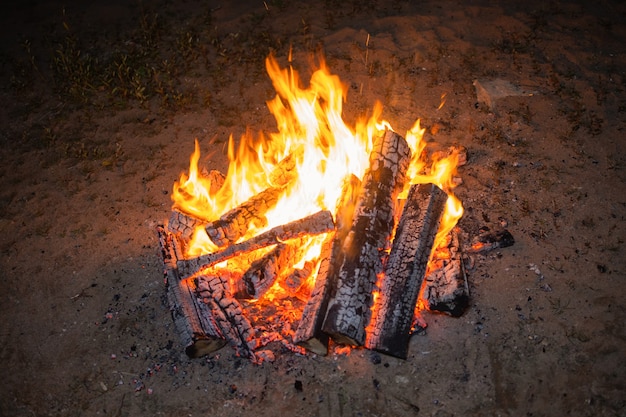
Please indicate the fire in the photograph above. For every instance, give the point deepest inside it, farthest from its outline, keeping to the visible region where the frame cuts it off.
(327, 153)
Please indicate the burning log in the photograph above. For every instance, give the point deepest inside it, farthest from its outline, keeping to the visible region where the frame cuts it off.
(405, 269)
(197, 330)
(263, 272)
(227, 313)
(183, 224)
(234, 224)
(309, 333)
(294, 281)
(286, 170)
(360, 260)
(445, 288)
(320, 222)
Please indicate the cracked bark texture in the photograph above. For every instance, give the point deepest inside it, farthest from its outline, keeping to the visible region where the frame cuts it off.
(405, 269)
(361, 259)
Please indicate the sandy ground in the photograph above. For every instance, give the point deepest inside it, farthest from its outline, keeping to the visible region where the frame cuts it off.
(92, 143)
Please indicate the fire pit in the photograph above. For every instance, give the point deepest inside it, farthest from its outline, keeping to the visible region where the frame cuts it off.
(319, 233)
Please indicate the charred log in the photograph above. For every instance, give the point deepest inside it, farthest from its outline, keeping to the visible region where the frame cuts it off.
(309, 333)
(197, 330)
(227, 313)
(234, 224)
(445, 288)
(265, 271)
(182, 224)
(361, 258)
(405, 269)
(320, 222)
(286, 170)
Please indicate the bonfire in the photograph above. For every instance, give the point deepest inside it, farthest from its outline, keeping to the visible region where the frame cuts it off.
(320, 232)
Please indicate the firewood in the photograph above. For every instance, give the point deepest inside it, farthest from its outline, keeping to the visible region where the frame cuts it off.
(212, 290)
(184, 219)
(445, 287)
(286, 169)
(404, 271)
(265, 271)
(349, 308)
(197, 330)
(234, 224)
(309, 333)
(293, 282)
(317, 223)
(183, 224)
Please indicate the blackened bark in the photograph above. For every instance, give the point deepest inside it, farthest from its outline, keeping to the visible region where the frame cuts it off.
(405, 269)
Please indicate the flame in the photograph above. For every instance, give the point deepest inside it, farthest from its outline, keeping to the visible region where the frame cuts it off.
(327, 152)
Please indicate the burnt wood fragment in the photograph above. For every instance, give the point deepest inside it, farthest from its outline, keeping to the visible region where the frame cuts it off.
(294, 281)
(405, 269)
(488, 240)
(445, 287)
(361, 258)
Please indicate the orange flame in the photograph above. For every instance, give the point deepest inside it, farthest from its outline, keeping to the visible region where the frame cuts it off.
(327, 151)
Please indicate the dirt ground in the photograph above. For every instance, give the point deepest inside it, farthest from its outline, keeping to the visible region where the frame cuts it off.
(101, 102)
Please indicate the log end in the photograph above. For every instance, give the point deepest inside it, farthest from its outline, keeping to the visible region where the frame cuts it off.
(338, 326)
(318, 345)
(203, 345)
(399, 350)
(454, 307)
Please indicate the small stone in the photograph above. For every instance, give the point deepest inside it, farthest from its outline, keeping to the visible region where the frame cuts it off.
(298, 385)
(375, 358)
